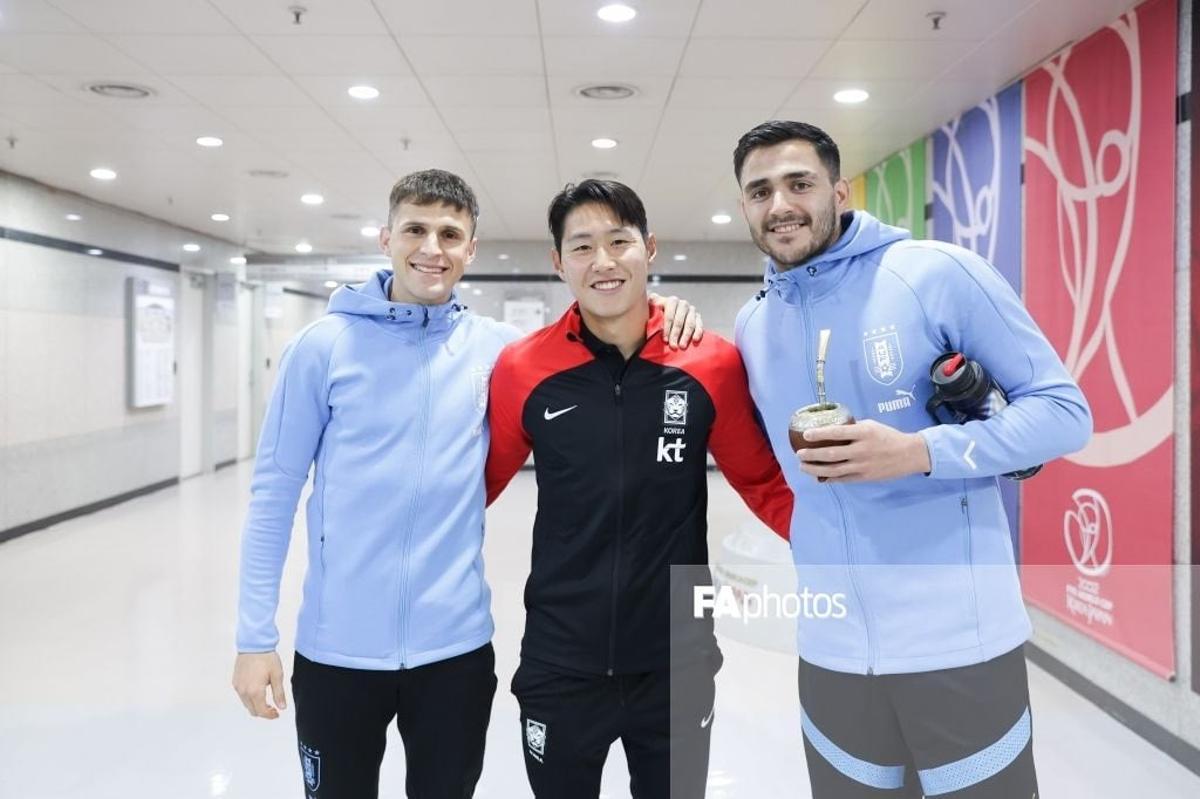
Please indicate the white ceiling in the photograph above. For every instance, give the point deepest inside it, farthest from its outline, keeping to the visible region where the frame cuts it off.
(483, 88)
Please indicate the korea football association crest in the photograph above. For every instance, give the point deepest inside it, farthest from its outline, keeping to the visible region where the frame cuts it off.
(881, 350)
(675, 407)
(310, 762)
(535, 738)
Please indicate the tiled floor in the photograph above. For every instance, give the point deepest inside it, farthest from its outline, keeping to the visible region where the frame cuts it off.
(116, 635)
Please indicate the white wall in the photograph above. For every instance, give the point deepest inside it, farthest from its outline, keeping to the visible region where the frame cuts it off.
(67, 435)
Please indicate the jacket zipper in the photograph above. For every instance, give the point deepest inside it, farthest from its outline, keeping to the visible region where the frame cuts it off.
(412, 519)
(970, 560)
(851, 570)
(612, 624)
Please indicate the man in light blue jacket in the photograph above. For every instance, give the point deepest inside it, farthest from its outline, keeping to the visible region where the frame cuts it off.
(921, 688)
(387, 396)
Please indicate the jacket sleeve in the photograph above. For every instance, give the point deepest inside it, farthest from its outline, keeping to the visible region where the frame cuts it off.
(976, 312)
(739, 446)
(291, 432)
(509, 445)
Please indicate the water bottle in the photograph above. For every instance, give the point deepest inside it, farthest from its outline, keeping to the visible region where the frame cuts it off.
(963, 391)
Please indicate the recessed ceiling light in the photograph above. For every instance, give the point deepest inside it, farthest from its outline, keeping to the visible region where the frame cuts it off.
(238, 260)
(209, 141)
(73, 217)
(464, 285)
(604, 144)
(312, 199)
(606, 91)
(721, 219)
(103, 173)
(477, 292)
(191, 247)
(616, 13)
(219, 217)
(331, 284)
(369, 231)
(121, 91)
(304, 247)
(850, 96)
(94, 251)
(680, 256)
(363, 92)
(503, 256)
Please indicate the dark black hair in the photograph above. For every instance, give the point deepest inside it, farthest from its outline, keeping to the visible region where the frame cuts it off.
(431, 186)
(623, 201)
(777, 131)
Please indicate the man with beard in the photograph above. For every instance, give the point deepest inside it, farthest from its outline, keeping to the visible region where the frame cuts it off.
(922, 688)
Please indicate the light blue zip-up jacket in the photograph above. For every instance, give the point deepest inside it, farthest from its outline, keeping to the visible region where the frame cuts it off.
(390, 402)
(925, 563)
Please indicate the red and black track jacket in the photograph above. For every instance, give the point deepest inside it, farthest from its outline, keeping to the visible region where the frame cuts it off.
(619, 452)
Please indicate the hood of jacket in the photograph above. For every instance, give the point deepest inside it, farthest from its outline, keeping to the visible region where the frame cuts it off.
(862, 235)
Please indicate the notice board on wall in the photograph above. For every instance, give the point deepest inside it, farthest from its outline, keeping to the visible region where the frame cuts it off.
(150, 337)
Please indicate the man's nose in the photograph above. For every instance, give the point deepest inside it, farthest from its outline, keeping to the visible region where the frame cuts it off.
(430, 245)
(779, 204)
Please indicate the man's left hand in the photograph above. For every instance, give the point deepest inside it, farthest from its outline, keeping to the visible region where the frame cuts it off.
(863, 451)
(682, 325)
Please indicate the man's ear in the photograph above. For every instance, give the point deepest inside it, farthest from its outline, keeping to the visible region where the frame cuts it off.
(651, 248)
(841, 194)
(556, 259)
(471, 251)
(385, 238)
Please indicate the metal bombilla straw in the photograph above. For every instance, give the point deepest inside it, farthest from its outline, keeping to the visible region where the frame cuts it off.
(822, 350)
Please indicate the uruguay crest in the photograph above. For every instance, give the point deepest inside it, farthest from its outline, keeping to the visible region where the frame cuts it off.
(310, 762)
(881, 349)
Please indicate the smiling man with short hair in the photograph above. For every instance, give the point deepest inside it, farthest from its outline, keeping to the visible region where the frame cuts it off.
(386, 396)
(921, 689)
(619, 426)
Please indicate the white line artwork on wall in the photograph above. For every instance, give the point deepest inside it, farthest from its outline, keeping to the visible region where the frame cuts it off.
(1080, 255)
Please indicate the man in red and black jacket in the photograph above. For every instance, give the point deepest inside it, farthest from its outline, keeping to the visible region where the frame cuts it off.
(619, 426)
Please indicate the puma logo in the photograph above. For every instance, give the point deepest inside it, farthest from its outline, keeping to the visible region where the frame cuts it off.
(904, 399)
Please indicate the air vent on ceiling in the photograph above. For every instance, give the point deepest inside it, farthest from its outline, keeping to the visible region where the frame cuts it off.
(275, 174)
(345, 217)
(120, 91)
(606, 91)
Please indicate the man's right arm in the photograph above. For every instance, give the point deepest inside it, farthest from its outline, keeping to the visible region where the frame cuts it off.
(291, 432)
(509, 446)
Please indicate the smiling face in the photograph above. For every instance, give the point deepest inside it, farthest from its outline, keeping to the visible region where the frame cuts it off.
(430, 247)
(790, 202)
(605, 262)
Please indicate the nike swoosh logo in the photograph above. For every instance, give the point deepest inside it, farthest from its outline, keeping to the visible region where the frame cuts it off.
(557, 414)
(707, 719)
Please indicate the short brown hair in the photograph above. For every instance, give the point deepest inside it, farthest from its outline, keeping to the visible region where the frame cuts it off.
(431, 186)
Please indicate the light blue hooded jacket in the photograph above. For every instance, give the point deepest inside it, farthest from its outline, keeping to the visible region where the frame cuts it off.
(925, 563)
(390, 402)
